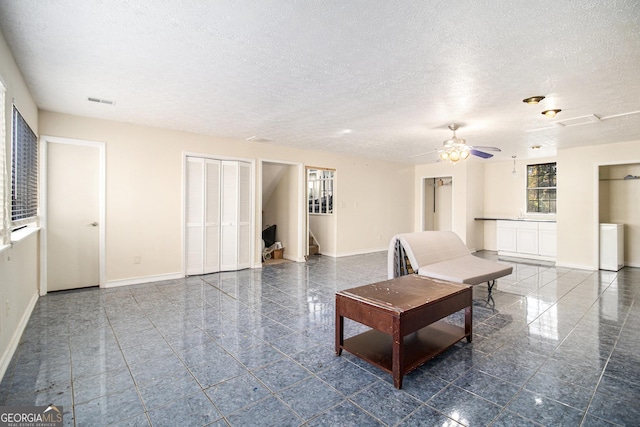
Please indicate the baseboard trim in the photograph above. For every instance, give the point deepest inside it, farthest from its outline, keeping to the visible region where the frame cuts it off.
(140, 280)
(576, 266)
(5, 359)
(368, 251)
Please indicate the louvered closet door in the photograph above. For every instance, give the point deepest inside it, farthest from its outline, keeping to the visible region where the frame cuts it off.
(244, 216)
(195, 216)
(218, 215)
(229, 217)
(212, 217)
(203, 216)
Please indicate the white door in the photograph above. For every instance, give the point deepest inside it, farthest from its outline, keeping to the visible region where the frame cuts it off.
(73, 212)
(244, 216)
(229, 217)
(202, 216)
(218, 215)
(212, 217)
(235, 220)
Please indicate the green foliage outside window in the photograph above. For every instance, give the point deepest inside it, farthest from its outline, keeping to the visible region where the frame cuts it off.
(541, 188)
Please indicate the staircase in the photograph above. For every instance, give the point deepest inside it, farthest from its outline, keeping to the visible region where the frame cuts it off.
(314, 246)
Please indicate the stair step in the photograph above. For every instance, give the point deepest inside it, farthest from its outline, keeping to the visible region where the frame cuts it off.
(313, 249)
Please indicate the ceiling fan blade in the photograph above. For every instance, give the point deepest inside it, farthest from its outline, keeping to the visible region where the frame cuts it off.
(487, 148)
(481, 154)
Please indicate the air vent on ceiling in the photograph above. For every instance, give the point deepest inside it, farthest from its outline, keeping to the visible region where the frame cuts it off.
(577, 121)
(582, 120)
(100, 101)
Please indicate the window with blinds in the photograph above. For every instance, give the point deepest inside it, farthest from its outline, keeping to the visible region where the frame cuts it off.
(4, 180)
(24, 170)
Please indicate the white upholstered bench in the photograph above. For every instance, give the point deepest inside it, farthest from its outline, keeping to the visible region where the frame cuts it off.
(441, 255)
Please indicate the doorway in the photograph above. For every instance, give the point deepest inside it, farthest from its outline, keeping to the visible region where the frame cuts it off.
(437, 202)
(282, 210)
(618, 193)
(73, 214)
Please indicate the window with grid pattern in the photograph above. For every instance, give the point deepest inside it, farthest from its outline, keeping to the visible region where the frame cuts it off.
(24, 171)
(541, 188)
(320, 186)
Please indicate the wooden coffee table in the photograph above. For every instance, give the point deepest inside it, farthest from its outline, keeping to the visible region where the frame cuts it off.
(404, 314)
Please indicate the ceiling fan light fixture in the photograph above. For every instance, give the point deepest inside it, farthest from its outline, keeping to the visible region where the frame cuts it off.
(533, 99)
(551, 113)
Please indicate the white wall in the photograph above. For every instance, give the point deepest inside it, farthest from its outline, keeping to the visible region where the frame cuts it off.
(374, 199)
(578, 205)
(19, 268)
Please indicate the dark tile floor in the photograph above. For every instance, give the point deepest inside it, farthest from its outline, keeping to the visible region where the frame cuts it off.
(554, 347)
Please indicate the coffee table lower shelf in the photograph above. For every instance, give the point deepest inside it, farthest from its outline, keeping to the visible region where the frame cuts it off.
(377, 348)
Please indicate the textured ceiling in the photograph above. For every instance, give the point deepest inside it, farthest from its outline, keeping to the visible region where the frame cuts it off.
(369, 78)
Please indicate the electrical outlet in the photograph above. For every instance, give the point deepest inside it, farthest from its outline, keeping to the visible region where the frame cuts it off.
(137, 259)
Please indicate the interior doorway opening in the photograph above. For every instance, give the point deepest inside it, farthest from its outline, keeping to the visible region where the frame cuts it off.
(282, 211)
(437, 205)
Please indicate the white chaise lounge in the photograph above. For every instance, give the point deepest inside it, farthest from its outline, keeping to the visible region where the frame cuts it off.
(441, 255)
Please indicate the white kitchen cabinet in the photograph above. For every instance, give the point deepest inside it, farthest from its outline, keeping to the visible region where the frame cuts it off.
(527, 239)
(506, 236)
(547, 239)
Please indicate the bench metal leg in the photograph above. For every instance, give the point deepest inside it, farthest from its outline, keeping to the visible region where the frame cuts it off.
(490, 285)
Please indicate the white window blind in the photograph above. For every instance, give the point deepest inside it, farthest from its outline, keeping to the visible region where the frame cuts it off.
(24, 170)
(4, 180)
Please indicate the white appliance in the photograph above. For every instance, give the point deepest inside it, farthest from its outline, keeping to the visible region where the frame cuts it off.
(611, 246)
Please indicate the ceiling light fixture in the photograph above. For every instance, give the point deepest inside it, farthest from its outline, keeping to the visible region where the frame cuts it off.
(533, 99)
(455, 149)
(551, 113)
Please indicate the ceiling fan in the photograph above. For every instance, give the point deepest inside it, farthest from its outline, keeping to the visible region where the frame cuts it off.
(455, 149)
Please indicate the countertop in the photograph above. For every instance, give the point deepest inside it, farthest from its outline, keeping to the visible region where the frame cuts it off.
(515, 219)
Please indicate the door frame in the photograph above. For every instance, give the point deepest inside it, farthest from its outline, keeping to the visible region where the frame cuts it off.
(423, 184)
(45, 140)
